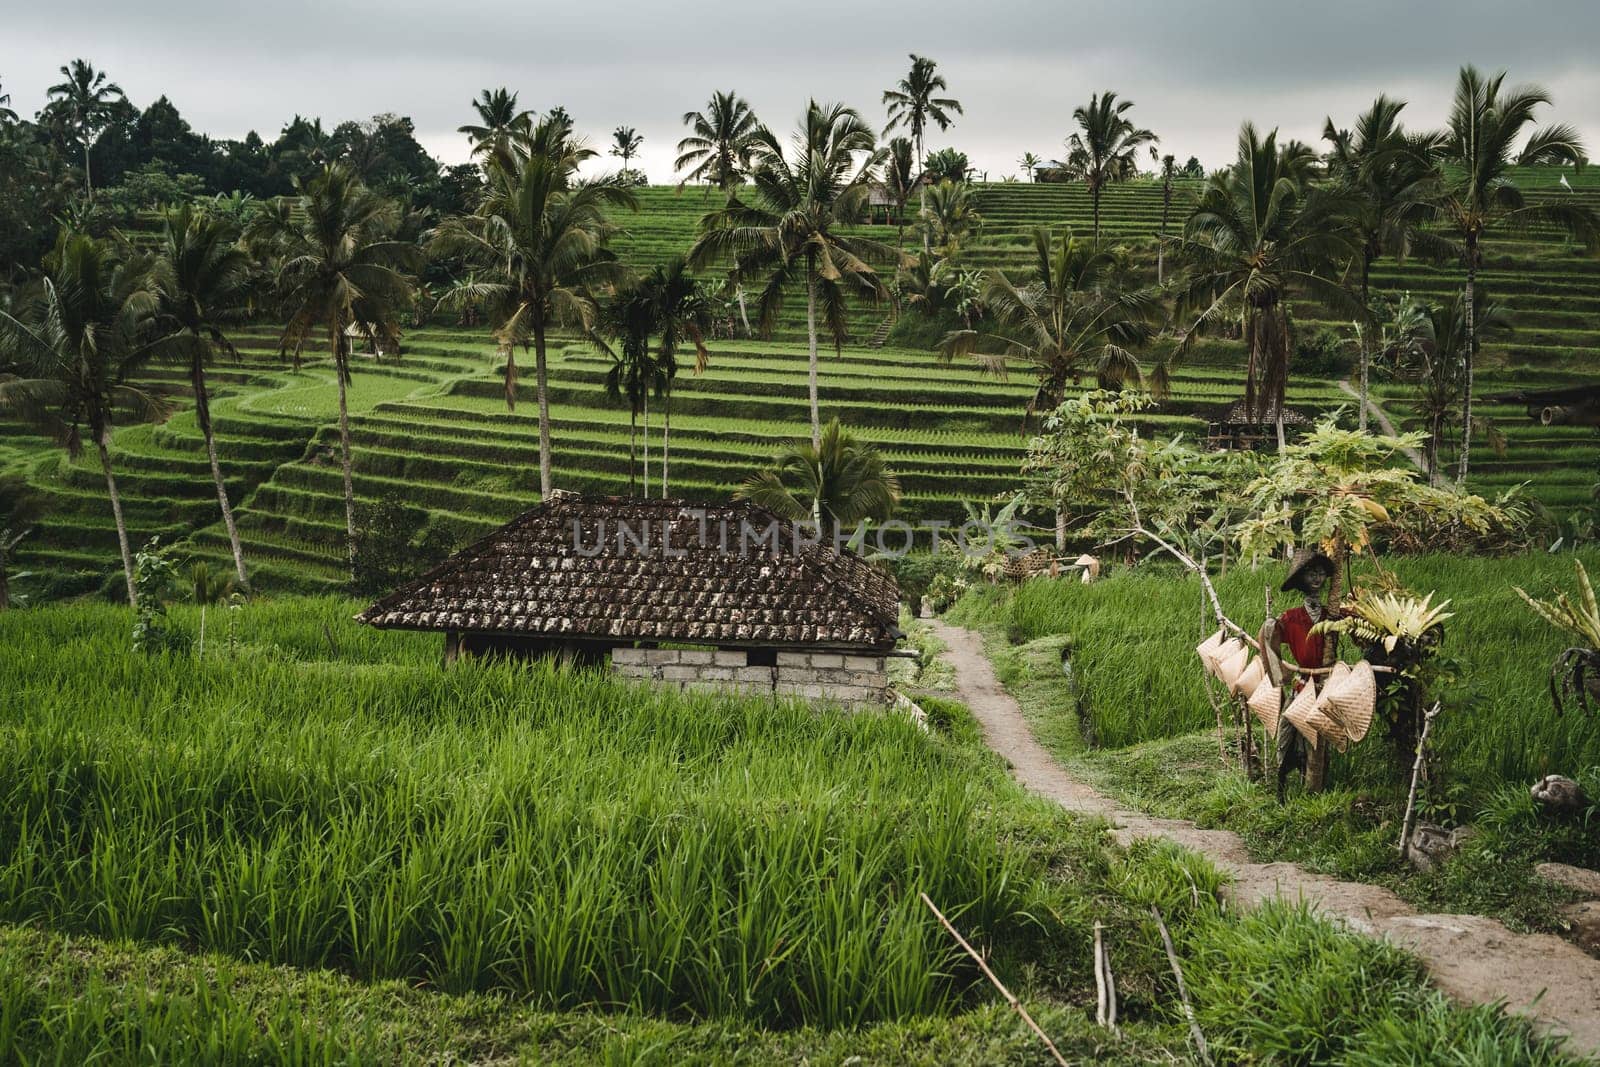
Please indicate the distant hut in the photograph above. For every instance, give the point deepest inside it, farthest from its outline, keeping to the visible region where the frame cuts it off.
(721, 595)
(1230, 426)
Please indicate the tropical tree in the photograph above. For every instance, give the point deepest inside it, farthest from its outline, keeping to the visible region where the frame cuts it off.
(6, 114)
(839, 480)
(1081, 314)
(1030, 163)
(720, 143)
(1479, 195)
(88, 99)
(537, 246)
(626, 322)
(341, 270)
(1169, 169)
(681, 315)
(1258, 237)
(78, 337)
(949, 215)
(1389, 176)
(499, 121)
(1426, 345)
(1104, 148)
(791, 236)
(625, 144)
(899, 176)
(912, 105)
(203, 280)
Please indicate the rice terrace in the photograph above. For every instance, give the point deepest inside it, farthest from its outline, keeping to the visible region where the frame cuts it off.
(981, 538)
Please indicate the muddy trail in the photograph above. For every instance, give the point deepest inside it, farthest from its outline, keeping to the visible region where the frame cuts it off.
(1475, 959)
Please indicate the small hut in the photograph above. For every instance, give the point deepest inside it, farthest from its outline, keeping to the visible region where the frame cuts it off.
(1577, 405)
(1230, 426)
(722, 595)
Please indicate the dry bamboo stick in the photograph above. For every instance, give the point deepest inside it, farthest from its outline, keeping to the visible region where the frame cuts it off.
(1183, 991)
(1416, 773)
(1016, 1005)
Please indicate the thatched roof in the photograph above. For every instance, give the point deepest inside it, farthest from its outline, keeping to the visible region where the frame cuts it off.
(1236, 414)
(573, 568)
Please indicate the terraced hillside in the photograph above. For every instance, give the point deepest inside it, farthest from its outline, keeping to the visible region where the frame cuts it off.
(432, 428)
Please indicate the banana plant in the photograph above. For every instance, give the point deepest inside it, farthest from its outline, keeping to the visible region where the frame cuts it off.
(1576, 671)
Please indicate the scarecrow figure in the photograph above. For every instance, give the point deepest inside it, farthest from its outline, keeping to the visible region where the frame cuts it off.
(1310, 574)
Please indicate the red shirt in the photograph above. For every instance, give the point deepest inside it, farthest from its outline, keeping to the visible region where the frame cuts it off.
(1308, 649)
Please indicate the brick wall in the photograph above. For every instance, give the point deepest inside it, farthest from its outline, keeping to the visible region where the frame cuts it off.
(848, 679)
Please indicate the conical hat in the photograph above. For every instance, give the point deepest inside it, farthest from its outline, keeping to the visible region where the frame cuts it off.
(1299, 713)
(1327, 729)
(1223, 653)
(1266, 702)
(1353, 701)
(1248, 679)
(1207, 649)
(1231, 669)
(1331, 681)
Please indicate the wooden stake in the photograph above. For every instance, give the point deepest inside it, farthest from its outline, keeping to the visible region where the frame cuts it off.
(1416, 773)
(1105, 985)
(1183, 991)
(1016, 1005)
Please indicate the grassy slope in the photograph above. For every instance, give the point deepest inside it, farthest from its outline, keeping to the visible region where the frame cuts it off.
(1139, 695)
(277, 854)
(433, 426)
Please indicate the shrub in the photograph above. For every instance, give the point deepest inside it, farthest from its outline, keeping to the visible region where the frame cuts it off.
(394, 542)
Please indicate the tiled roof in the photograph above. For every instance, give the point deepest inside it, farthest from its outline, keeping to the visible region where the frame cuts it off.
(573, 568)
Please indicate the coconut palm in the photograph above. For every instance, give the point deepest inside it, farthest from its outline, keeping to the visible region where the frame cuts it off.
(1258, 237)
(1169, 169)
(899, 177)
(1030, 163)
(949, 215)
(537, 246)
(340, 270)
(499, 121)
(1430, 353)
(6, 114)
(625, 144)
(720, 142)
(88, 99)
(790, 237)
(204, 280)
(681, 315)
(1389, 176)
(1079, 315)
(623, 327)
(1478, 192)
(839, 480)
(77, 337)
(912, 105)
(1104, 148)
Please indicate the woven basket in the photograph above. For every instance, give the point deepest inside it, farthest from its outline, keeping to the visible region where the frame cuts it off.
(1207, 650)
(1352, 702)
(1231, 669)
(1266, 702)
(1299, 713)
(1249, 679)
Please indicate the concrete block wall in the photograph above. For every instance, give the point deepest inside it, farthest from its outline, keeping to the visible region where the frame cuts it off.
(847, 679)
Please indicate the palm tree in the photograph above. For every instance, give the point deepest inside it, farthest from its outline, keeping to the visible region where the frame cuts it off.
(6, 114)
(204, 280)
(1479, 195)
(1429, 344)
(78, 337)
(949, 215)
(899, 176)
(537, 245)
(912, 104)
(1389, 176)
(634, 374)
(1079, 315)
(1259, 237)
(342, 271)
(1169, 169)
(680, 314)
(720, 142)
(1031, 164)
(839, 480)
(1105, 145)
(88, 98)
(625, 144)
(791, 237)
(499, 121)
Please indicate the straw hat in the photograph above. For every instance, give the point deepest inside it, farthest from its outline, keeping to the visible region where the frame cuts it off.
(1352, 702)
(1328, 730)
(1302, 559)
(1222, 655)
(1300, 710)
(1266, 702)
(1332, 681)
(1231, 669)
(1248, 679)
(1208, 648)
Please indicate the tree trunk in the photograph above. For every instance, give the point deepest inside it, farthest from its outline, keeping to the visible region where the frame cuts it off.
(738, 291)
(1283, 441)
(88, 181)
(922, 199)
(633, 447)
(666, 440)
(202, 414)
(116, 514)
(1061, 529)
(1161, 243)
(1469, 313)
(647, 441)
(541, 376)
(341, 372)
(1435, 432)
(811, 340)
(1094, 196)
(1366, 336)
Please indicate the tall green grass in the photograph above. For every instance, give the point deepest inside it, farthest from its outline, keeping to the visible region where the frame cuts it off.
(559, 835)
(1133, 636)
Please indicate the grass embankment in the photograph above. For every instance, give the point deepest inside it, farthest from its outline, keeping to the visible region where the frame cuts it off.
(314, 845)
(1135, 718)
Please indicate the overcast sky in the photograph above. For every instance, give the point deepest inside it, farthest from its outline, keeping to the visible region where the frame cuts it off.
(1195, 69)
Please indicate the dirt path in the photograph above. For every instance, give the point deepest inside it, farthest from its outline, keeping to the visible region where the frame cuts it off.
(1381, 417)
(1472, 958)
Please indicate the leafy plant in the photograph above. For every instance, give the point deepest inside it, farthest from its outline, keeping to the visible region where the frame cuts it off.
(1388, 617)
(1576, 670)
(155, 575)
